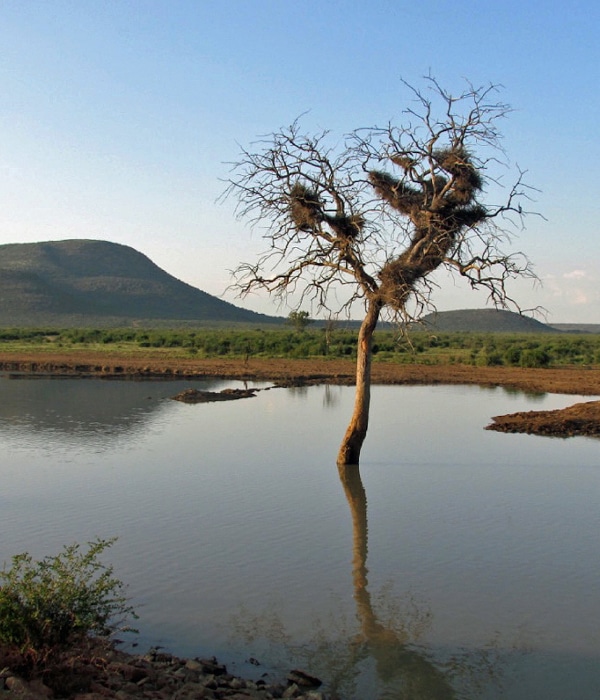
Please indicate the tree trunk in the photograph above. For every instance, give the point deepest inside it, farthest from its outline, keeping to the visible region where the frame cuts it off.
(357, 429)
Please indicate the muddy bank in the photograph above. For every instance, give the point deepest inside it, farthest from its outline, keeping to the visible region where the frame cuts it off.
(107, 365)
(196, 396)
(580, 419)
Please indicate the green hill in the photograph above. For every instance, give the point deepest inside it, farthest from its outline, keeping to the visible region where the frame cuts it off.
(485, 320)
(78, 283)
(578, 327)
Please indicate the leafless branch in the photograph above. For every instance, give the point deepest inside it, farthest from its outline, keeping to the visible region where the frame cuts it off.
(372, 216)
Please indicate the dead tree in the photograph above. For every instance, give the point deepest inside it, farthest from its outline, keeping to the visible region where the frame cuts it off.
(370, 219)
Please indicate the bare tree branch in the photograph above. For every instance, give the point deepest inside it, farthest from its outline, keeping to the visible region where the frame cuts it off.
(370, 218)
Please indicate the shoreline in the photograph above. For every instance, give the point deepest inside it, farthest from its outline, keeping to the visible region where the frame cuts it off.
(82, 363)
(96, 669)
(581, 419)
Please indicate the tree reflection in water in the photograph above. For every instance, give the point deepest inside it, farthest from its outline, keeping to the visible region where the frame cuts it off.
(387, 643)
(381, 658)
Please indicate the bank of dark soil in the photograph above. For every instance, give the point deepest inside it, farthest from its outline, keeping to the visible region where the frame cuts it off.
(580, 419)
(196, 396)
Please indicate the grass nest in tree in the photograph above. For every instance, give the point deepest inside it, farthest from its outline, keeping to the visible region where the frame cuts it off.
(396, 283)
(346, 226)
(305, 207)
(457, 162)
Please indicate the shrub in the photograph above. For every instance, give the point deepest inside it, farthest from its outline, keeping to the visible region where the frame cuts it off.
(50, 605)
(512, 356)
(488, 358)
(534, 358)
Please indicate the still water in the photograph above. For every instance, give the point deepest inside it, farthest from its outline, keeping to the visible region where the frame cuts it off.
(459, 562)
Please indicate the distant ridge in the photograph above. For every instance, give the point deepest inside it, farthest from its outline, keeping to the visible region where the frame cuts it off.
(485, 321)
(79, 283)
(577, 327)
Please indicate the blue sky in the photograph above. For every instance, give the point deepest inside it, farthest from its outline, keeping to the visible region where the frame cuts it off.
(118, 118)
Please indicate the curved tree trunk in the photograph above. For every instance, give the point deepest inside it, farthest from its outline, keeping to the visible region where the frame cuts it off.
(357, 429)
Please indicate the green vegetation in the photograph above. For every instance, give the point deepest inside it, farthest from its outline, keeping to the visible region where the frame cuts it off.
(481, 349)
(50, 605)
(299, 319)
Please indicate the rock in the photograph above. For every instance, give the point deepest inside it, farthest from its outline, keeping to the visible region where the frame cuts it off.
(128, 671)
(212, 666)
(19, 688)
(192, 691)
(193, 665)
(303, 679)
(37, 686)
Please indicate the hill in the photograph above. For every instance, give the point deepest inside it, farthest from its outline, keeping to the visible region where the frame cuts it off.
(485, 321)
(78, 283)
(577, 327)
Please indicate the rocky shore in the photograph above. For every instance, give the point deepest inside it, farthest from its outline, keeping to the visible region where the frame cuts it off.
(100, 672)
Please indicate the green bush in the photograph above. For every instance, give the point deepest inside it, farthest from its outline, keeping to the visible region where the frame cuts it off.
(49, 605)
(488, 358)
(512, 356)
(534, 358)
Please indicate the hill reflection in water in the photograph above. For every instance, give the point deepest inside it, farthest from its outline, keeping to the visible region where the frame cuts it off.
(82, 410)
